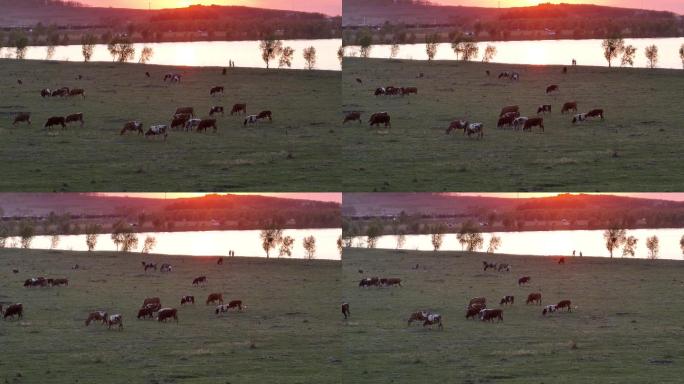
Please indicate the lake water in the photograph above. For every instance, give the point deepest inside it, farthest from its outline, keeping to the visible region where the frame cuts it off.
(556, 52)
(203, 53)
(206, 243)
(549, 243)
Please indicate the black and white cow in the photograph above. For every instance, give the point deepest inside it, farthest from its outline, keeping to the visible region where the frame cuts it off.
(251, 119)
(476, 129)
(192, 124)
(519, 122)
(158, 130)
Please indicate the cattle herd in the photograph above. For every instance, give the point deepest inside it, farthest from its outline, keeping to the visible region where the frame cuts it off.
(183, 119)
(476, 307)
(151, 307)
(510, 116)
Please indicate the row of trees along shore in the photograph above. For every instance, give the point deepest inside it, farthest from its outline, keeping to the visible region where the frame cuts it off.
(466, 49)
(471, 239)
(126, 239)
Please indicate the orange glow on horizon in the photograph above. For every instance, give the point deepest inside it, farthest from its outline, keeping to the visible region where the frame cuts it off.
(332, 197)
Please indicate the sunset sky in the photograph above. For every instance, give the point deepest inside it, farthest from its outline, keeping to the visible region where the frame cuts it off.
(658, 196)
(334, 197)
(661, 5)
(329, 7)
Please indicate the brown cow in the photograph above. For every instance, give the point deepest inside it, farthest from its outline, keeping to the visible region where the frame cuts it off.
(154, 307)
(369, 282)
(265, 115)
(345, 310)
(12, 310)
(510, 108)
(561, 260)
(187, 300)
(390, 282)
(417, 316)
(534, 298)
(569, 106)
(132, 126)
(457, 125)
(55, 120)
(239, 108)
(199, 280)
(216, 90)
(380, 118)
(524, 280)
(507, 119)
(167, 313)
(145, 312)
(480, 300)
(58, 282)
(409, 90)
(96, 316)
(205, 124)
(74, 118)
(474, 309)
(534, 122)
(21, 118)
(564, 304)
(225, 307)
(151, 300)
(77, 92)
(352, 116)
(214, 297)
(491, 314)
(185, 110)
(180, 120)
(552, 88)
(595, 113)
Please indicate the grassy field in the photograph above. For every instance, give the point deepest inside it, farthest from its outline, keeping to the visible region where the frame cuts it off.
(636, 148)
(298, 151)
(627, 326)
(289, 332)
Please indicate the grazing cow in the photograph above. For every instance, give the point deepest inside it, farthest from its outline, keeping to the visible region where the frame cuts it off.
(595, 113)
(166, 268)
(12, 310)
(345, 310)
(352, 116)
(251, 119)
(174, 77)
(390, 282)
(216, 109)
(409, 90)
(510, 108)
(506, 119)
(491, 314)
(569, 106)
(564, 304)
(96, 316)
(151, 300)
(45, 92)
(417, 316)
(235, 304)
(113, 320)
(565, 70)
(55, 120)
(240, 108)
(524, 280)
(158, 130)
(60, 92)
(180, 120)
(369, 282)
(487, 72)
(167, 313)
(561, 260)
(507, 300)
(549, 309)
(392, 91)
(205, 124)
(544, 108)
(22, 117)
(519, 122)
(149, 266)
(199, 280)
(154, 307)
(504, 74)
(534, 122)
(552, 88)
(534, 298)
(75, 118)
(380, 91)
(58, 282)
(77, 92)
(216, 90)
(132, 126)
(486, 265)
(192, 124)
(214, 298)
(219, 261)
(359, 81)
(185, 111)
(187, 300)
(477, 300)
(35, 282)
(147, 74)
(473, 311)
(515, 76)
(476, 129)
(380, 118)
(457, 125)
(432, 319)
(145, 312)
(579, 118)
(265, 115)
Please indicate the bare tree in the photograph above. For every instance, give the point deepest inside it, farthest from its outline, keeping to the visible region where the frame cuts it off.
(340, 54)
(401, 239)
(489, 53)
(146, 55)
(286, 243)
(394, 51)
(494, 244)
(469, 237)
(365, 41)
(339, 245)
(653, 247)
(309, 244)
(612, 47)
(470, 51)
(270, 237)
(373, 232)
(431, 44)
(4, 234)
(681, 244)
(286, 57)
(628, 54)
(54, 240)
(629, 248)
(270, 49)
(310, 57)
(21, 44)
(652, 55)
(123, 237)
(437, 236)
(121, 49)
(26, 233)
(87, 46)
(614, 238)
(92, 231)
(149, 244)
